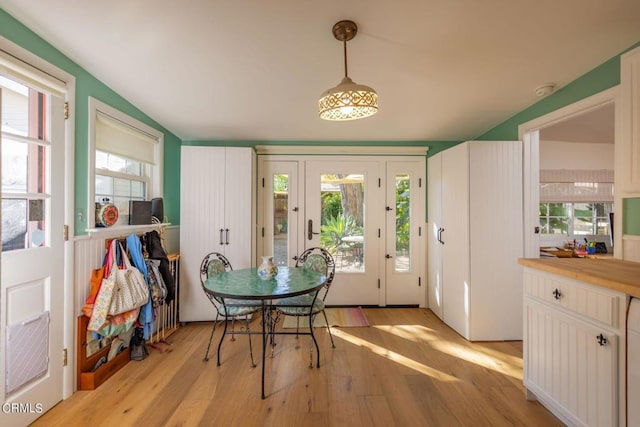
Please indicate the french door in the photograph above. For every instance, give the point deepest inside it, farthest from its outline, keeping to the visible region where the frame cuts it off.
(405, 240)
(367, 212)
(343, 215)
(32, 260)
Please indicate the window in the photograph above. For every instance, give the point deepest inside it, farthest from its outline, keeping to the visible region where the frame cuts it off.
(25, 164)
(125, 159)
(575, 218)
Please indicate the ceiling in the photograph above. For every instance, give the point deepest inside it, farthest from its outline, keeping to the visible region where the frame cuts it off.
(253, 70)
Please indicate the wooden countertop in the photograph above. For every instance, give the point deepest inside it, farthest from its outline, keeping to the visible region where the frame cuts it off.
(615, 274)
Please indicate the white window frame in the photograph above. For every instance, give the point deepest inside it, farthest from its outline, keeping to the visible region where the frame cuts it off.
(156, 172)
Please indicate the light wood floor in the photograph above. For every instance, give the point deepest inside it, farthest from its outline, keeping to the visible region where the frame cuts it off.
(406, 369)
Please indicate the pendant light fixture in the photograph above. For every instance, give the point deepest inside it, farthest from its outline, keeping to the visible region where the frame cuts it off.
(348, 100)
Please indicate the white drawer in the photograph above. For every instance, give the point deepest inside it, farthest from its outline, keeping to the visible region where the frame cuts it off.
(592, 302)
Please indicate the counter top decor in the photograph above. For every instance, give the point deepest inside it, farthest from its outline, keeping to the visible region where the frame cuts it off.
(615, 274)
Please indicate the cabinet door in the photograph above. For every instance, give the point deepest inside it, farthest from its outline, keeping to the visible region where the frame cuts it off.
(201, 219)
(630, 140)
(566, 365)
(239, 213)
(434, 206)
(455, 237)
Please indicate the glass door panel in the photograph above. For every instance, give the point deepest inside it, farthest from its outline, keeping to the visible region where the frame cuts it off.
(278, 198)
(342, 220)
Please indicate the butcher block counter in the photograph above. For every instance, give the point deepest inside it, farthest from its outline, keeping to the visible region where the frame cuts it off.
(615, 274)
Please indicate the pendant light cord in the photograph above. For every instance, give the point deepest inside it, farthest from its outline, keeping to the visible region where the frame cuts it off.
(345, 58)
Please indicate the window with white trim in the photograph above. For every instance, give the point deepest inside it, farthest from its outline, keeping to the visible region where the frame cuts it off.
(125, 159)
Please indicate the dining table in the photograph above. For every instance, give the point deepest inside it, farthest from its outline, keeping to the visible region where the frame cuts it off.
(245, 284)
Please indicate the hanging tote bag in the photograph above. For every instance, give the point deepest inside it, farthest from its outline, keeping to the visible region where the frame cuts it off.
(103, 298)
(131, 290)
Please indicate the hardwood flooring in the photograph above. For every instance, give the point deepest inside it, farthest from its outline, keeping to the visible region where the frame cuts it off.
(406, 369)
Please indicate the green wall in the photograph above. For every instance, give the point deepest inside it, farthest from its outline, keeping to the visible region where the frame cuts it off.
(631, 216)
(86, 86)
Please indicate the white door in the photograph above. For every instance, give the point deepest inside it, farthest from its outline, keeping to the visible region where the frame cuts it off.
(278, 227)
(349, 196)
(32, 285)
(434, 205)
(455, 237)
(404, 233)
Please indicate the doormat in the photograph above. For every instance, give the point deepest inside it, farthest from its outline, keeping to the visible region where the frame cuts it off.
(342, 317)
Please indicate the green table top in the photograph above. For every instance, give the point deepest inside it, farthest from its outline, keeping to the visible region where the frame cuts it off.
(245, 283)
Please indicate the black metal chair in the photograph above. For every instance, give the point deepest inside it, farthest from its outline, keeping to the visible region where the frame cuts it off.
(310, 305)
(227, 309)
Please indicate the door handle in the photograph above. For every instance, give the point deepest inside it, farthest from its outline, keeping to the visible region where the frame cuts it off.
(221, 240)
(310, 231)
(227, 232)
(387, 256)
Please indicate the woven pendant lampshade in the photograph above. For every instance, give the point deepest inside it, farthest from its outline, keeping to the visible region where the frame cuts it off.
(348, 100)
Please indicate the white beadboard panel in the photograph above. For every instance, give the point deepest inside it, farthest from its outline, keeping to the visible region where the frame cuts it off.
(496, 240)
(631, 248)
(89, 254)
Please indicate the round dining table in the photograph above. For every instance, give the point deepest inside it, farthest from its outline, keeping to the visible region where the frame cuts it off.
(245, 284)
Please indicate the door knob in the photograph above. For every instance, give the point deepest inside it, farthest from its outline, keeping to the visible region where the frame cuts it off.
(387, 256)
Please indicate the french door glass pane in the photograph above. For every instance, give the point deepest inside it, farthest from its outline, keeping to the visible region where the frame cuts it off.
(342, 220)
(403, 222)
(280, 218)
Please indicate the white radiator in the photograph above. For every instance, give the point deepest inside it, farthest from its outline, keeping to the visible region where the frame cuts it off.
(167, 320)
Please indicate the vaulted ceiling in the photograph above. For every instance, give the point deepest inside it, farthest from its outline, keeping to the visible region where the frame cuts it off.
(253, 70)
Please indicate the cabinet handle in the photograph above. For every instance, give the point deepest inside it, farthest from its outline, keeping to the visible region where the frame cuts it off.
(602, 340)
(441, 231)
(557, 294)
(221, 241)
(227, 240)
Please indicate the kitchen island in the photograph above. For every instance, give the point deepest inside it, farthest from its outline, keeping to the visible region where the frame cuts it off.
(574, 341)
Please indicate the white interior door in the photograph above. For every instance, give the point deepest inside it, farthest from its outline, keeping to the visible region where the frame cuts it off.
(404, 252)
(32, 285)
(349, 193)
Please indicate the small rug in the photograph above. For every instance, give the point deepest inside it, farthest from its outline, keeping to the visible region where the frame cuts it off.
(343, 317)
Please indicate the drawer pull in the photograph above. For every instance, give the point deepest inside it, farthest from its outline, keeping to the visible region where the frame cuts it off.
(602, 340)
(557, 294)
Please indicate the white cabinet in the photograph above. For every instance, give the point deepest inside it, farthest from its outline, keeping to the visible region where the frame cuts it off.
(629, 141)
(571, 348)
(475, 238)
(217, 214)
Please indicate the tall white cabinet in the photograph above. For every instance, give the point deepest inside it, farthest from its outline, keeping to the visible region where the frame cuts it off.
(217, 214)
(475, 239)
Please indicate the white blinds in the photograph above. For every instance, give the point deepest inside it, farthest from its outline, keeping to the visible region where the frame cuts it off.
(565, 185)
(30, 75)
(116, 137)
